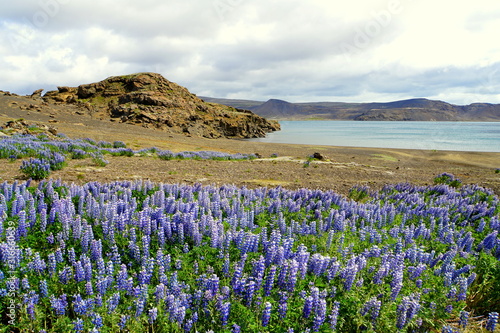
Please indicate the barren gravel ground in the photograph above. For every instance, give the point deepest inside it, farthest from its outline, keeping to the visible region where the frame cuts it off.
(345, 167)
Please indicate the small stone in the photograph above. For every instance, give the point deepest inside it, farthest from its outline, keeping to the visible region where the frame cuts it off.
(318, 156)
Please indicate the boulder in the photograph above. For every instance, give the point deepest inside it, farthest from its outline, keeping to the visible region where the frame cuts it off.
(319, 157)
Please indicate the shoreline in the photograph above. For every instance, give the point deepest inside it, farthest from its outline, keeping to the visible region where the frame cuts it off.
(347, 166)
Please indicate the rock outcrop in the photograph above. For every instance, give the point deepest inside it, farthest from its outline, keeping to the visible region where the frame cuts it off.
(21, 126)
(150, 100)
(37, 93)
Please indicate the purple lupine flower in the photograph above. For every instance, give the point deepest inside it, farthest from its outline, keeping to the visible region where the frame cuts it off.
(401, 313)
(113, 302)
(349, 274)
(59, 304)
(52, 263)
(452, 294)
(22, 226)
(122, 278)
(292, 275)
(180, 314)
(50, 238)
(447, 329)
(266, 314)
(152, 315)
(492, 321)
(178, 264)
(71, 255)
(213, 284)
(101, 266)
(25, 284)
(283, 305)
(320, 315)
(269, 282)
(282, 282)
(160, 292)
(333, 317)
(413, 308)
(462, 288)
(489, 241)
(464, 319)
(396, 283)
(235, 329)
(78, 325)
(226, 265)
(330, 237)
(333, 270)
(96, 319)
(258, 270)
(80, 306)
(471, 278)
(308, 305)
(235, 281)
(89, 288)
(224, 312)
(139, 306)
(95, 249)
(188, 325)
(30, 309)
(123, 321)
(373, 307)
(315, 295)
(249, 292)
(79, 272)
(43, 288)
(417, 271)
(65, 275)
(38, 264)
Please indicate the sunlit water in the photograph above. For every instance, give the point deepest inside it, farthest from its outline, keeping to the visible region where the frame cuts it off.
(461, 136)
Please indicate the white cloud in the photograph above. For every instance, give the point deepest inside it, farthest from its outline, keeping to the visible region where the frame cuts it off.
(362, 50)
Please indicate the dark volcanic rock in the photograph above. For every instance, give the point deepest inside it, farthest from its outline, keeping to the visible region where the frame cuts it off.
(150, 100)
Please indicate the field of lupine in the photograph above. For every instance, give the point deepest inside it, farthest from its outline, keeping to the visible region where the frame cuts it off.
(151, 257)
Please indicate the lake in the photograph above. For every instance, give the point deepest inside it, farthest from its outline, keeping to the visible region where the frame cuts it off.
(427, 135)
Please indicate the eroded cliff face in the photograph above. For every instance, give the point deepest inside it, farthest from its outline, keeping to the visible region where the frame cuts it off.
(150, 100)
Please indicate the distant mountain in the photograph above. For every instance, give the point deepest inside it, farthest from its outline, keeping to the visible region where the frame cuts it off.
(417, 109)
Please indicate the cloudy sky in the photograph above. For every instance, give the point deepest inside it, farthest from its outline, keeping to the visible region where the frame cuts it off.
(312, 50)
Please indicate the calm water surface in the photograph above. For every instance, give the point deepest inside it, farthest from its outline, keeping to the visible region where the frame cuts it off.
(464, 136)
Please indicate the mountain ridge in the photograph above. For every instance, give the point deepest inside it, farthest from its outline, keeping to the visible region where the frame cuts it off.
(414, 109)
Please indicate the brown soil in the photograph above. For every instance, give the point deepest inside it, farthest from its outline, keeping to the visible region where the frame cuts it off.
(345, 167)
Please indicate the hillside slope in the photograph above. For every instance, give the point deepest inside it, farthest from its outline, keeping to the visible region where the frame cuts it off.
(150, 100)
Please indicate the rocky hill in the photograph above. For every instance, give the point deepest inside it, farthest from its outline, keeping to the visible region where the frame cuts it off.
(417, 109)
(150, 100)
